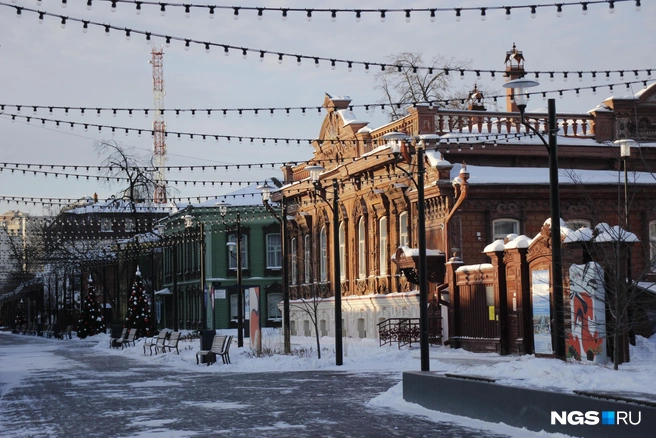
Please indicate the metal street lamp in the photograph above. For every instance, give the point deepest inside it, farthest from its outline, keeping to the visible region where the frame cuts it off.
(625, 145)
(189, 223)
(395, 141)
(232, 246)
(282, 218)
(315, 172)
(520, 86)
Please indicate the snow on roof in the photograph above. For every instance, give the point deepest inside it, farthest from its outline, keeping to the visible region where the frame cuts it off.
(648, 286)
(518, 242)
(532, 175)
(335, 97)
(583, 234)
(414, 252)
(249, 195)
(474, 267)
(495, 246)
(615, 233)
(121, 206)
(600, 108)
(349, 118)
(435, 159)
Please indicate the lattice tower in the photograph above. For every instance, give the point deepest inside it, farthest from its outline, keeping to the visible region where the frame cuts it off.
(159, 127)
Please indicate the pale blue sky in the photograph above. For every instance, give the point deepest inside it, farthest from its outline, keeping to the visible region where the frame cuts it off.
(42, 64)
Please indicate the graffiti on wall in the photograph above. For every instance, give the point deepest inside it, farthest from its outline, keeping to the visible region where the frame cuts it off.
(587, 339)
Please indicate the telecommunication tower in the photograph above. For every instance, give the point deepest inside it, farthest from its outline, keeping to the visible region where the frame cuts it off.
(159, 127)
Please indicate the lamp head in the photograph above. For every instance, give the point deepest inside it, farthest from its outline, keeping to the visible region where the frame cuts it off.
(394, 140)
(315, 172)
(189, 220)
(231, 246)
(520, 87)
(625, 145)
(223, 208)
(266, 192)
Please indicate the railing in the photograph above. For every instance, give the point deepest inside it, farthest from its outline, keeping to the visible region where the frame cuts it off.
(403, 331)
(493, 122)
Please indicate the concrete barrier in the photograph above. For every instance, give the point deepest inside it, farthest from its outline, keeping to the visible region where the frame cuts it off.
(529, 408)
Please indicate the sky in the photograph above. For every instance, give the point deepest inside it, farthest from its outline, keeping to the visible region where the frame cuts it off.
(43, 64)
(365, 356)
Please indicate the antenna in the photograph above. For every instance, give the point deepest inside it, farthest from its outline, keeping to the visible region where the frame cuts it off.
(159, 127)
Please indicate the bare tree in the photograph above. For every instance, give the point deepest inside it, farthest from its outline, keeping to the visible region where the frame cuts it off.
(309, 305)
(412, 84)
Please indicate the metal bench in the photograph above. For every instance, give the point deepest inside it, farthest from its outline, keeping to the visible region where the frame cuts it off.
(217, 348)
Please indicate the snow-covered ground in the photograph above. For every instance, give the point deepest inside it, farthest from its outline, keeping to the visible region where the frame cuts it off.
(365, 355)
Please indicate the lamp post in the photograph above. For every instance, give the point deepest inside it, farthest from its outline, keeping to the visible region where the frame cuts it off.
(520, 95)
(315, 172)
(282, 218)
(189, 223)
(395, 139)
(232, 246)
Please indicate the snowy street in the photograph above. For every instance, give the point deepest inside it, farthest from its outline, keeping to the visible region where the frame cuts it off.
(69, 389)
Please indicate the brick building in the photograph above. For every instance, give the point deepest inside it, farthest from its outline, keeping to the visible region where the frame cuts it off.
(502, 190)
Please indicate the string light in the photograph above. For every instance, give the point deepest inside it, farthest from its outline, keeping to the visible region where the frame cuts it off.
(99, 110)
(188, 41)
(358, 12)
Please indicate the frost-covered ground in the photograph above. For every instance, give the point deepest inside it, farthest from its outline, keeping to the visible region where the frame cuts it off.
(363, 356)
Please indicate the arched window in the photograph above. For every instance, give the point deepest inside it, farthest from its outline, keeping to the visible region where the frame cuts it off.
(403, 229)
(382, 242)
(294, 257)
(502, 227)
(362, 249)
(307, 259)
(342, 251)
(324, 255)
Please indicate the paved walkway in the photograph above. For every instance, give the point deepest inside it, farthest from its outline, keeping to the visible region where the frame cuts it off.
(90, 394)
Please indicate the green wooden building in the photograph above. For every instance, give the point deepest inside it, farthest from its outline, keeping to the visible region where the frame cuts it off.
(217, 226)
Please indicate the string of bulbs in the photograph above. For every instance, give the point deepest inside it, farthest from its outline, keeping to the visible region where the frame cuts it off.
(439, 103)
(357, 12)
(107, 178)
(241, 139)
(299, 58)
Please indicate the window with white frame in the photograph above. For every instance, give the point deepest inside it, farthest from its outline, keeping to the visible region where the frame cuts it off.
(323, 244)
(575, 224)
(403, 229)
(652, 244)
(106, 225)
(362, 247)
(274, 251)
(294, 257)
(274, 313)
(129, 225)
(382, 233)
(342, 251)
(244, 252)
(306, 259)
(502, 227)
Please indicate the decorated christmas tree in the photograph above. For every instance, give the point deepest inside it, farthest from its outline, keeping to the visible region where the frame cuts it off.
(138, 309)
(20, 314)
(91, 320)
